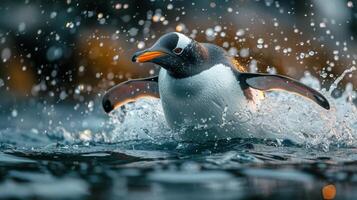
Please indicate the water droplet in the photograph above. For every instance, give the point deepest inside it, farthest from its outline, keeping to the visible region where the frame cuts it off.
(133, 31)
(350, 4)
(5, 54)
(244, 53)
(90, 104)
(180, 27)
(240, 32)
(225, 44)
(116, 57)
(302, 55)
(269, 2)
(118, 6)
(156, 17)
(63, 95)
(209, 32)
(69, 25)
(81, 68)
(14, 113)
(22, 27)
(170, 6)
(271, 70)
(53, 14)
(141, 45)
(232, 51)
(218, 28)
(54, 53)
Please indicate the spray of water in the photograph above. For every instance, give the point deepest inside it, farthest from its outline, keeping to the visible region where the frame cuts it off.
(281, 116)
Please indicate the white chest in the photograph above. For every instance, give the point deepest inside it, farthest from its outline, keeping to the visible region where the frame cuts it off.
(209, 98)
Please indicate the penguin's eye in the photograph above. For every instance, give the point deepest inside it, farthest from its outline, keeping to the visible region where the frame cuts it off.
(177, 50)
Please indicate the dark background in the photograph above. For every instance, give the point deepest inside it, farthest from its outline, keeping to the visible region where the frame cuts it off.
(64, 51)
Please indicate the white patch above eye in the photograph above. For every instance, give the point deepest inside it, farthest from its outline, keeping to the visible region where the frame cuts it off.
(183, 41)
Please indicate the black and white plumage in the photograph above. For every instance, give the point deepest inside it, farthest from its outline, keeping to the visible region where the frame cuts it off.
(201, 88)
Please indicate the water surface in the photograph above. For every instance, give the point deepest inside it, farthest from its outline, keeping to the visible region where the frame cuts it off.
(91, 155)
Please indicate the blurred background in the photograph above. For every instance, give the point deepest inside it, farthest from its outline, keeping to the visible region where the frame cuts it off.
(57, 58)
(71, 51)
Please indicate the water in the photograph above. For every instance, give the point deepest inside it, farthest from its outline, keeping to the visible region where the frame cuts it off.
(132, 154)
(57, 143)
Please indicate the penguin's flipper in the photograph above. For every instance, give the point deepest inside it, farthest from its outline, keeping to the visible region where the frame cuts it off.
(130, 91)
(268, 82)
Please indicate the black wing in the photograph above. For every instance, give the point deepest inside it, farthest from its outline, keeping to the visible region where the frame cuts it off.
(130, 91)
(268, 82)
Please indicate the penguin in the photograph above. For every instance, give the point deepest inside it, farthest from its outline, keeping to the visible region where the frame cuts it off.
(203, 90)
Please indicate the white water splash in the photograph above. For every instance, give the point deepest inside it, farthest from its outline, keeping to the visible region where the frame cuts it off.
(283, 115)
(143, 119)
(339, 79)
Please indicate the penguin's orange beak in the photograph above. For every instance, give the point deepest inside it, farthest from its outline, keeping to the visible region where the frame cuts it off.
(147, 56)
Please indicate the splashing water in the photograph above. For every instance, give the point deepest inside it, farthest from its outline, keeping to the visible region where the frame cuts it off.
(339, 79)
(281, 116)
(143, 119)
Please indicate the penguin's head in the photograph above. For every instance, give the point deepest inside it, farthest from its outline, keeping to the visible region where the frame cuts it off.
(177, 53)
